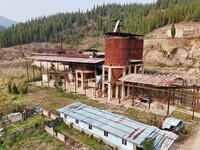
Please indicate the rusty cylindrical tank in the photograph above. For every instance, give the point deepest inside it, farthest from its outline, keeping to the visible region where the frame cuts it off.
(117, 50)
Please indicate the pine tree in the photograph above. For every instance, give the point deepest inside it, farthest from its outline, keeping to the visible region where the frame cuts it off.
(173, 30)
(9, 88)
(14, 89)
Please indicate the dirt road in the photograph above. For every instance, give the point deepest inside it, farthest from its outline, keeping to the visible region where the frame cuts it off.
(192, 143)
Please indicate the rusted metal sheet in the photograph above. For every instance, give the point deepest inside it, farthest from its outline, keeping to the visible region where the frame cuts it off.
(136, 51)
(61, 50)
(157, 80)
(67, 59)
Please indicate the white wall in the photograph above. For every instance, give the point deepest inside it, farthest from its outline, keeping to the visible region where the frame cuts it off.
(111, 139)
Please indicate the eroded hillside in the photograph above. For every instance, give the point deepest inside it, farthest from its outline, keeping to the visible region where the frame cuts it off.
(176, 56)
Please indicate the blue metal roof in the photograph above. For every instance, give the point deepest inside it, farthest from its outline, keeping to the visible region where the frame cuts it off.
(170, 121)
(133, 131)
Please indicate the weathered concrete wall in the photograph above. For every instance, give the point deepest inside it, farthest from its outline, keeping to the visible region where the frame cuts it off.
(61, 137)
(49, 130)
(46, 113)
(53, 116)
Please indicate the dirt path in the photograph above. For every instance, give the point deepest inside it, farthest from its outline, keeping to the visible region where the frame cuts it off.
(192, 143)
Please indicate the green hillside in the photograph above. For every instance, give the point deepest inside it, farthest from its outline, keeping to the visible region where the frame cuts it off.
(137, 18)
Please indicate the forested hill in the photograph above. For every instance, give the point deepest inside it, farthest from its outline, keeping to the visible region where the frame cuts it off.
(137, 18)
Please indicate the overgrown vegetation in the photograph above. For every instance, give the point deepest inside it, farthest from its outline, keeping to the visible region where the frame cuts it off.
(38, 139)
(13, 89)
(58, 83)
(138, 18)
(82, 137)
(148, 144)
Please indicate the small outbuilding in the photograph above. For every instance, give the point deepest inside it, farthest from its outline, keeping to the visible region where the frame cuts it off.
(171, 124)
(14, 117)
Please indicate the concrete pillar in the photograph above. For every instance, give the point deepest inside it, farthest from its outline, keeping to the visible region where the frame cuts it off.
(142, 69)
(109, 83)
(103, 78)
(65, 76)
(117, 91)
(135, 68)
(95, 76)
(48, 74)
(123, 91)
(82, 82)
(76, 79)
(124, 72)
(41, 72)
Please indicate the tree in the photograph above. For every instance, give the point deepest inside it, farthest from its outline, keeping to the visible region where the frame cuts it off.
(9, 88)
(14, 89)
(58, 83)
(52, 67)
(24, 89)
(173, 30)
(148, 144)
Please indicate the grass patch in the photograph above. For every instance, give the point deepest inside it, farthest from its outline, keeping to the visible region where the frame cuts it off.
(82, 137)
(33, 140)
(31, 121)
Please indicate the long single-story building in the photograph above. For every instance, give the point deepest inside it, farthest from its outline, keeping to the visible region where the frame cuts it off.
(115, 130)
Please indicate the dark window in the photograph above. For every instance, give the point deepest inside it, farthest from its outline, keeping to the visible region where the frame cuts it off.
(124, 142)
(65, 115)
(90, 127)
(105, 133)
(77, 121)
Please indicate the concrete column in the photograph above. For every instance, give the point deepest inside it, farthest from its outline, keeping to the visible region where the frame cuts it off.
(142, 69)
(95, 76)
(48, 74)
(76, 77)
(124, 72)
(103, 78)
(82, 82)
(109, 83)
(41, 72)
(123, 91)
(135, 68)
(65, 76)
(117, 92)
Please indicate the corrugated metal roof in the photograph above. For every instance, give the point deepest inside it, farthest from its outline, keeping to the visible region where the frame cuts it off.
(157, 80)
(67, 59)
(118, 125)
(168, 122)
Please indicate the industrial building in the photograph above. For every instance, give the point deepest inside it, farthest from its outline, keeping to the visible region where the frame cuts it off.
(115, 130)
(116, 73)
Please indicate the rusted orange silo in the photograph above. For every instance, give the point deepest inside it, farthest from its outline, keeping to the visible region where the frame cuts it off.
(119, 48)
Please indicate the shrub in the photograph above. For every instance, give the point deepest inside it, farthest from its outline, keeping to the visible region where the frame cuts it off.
(14, 89)
(24, 89)
(17, 107)
(148, 144)
(9, 88)
(174, 51)
(58, 83)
